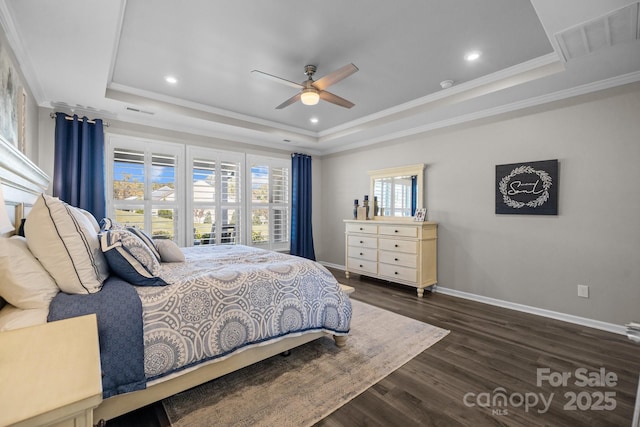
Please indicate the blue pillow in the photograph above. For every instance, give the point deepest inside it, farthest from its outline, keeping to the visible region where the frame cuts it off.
(130, 258)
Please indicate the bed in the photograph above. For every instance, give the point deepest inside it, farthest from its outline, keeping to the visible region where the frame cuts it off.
(168, 318)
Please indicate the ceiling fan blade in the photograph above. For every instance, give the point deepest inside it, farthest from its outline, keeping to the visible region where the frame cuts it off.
(335, 99)
(335, 77)
(289, 101)
(277, 79)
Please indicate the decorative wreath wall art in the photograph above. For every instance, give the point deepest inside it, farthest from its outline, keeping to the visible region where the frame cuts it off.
(527, 188)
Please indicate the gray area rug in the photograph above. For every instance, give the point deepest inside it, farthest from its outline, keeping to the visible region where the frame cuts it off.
(315, 380)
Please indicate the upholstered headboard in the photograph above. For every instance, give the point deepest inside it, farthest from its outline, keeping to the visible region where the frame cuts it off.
(21, 180)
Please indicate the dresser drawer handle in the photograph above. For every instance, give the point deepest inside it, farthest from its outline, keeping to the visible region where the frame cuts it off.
(361, 228)
(361, 266)
(361, 242)
(395, 231)
(395, 272)
(395, 259)
(361, 254)
(395, 246)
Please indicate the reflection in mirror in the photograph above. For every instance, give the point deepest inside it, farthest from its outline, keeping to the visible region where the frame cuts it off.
(396, 195)
(397, 191)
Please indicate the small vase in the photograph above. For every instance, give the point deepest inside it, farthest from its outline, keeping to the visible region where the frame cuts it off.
(355, 209)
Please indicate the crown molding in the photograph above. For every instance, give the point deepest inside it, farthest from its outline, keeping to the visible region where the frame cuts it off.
(490, 112)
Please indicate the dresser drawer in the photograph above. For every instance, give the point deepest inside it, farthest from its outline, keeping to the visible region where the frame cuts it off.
(408, 246)
(369, 254)
(354, 264)
(398, 258)
(390, 230)
(362, 228)
(398, 272)
(363, 242)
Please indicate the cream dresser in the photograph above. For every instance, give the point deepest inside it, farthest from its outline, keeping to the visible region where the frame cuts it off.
(394, 250)
(51, 374)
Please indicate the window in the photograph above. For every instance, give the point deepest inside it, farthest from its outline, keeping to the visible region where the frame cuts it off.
(199, 196)
(145, 181)
(214, 196)
(269, 211)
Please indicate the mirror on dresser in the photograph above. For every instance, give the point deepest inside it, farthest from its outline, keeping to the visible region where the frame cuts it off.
(398, 191)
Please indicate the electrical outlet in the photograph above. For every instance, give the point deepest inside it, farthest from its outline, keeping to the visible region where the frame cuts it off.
(583, 291)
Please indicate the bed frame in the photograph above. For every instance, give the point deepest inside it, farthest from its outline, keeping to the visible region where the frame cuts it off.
(123, 403)
(22, 181)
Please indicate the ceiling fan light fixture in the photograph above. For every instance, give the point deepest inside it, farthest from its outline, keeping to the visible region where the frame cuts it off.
(309, 96)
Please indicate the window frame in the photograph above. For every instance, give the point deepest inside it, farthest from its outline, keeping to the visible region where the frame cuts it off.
(271, 162)
(149, 148)
(219, 156)
(184, 204)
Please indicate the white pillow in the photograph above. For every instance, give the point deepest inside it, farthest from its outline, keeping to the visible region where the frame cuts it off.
(65, 242)
(25, 283)
(169, 251)
(90, 217)
(15, 318)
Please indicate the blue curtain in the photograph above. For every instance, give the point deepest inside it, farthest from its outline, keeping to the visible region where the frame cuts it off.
(301, 230)
(78, 170)
(414, 194)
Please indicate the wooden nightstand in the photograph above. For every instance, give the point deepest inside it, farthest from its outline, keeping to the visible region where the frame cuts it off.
(50, 374)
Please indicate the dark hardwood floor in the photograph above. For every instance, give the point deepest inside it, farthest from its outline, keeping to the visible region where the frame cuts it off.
(490, 357)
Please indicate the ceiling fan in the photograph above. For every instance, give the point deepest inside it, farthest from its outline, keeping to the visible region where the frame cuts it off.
(312, 91)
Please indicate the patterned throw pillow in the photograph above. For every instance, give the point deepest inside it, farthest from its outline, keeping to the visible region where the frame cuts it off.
(130, 258)
(147, 241)
(110, 224)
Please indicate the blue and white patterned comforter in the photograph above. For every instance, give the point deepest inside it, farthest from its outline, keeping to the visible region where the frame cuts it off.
(224, 298)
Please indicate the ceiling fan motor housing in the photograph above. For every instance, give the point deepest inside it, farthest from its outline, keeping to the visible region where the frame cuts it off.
(309, 70)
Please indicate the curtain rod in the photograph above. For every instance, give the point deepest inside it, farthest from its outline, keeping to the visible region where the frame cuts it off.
(67, 117)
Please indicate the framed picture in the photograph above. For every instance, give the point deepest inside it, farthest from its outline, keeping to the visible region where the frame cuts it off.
(421, 215)
(22, 121)
(527, 188)
(8, 98)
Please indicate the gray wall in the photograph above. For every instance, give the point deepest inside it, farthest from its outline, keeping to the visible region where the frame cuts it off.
(532, 260)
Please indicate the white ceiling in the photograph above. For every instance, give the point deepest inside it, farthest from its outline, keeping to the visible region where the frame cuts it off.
(103, 58)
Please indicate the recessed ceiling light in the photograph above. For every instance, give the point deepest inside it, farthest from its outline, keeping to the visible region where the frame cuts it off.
(446, 84)
(171, 79)
(313, 120)
(472, 56)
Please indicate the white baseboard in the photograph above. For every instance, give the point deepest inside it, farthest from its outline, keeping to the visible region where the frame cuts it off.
(336, 266)
(583, 321)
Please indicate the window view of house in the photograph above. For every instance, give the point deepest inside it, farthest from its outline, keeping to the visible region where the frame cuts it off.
(144, 191)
